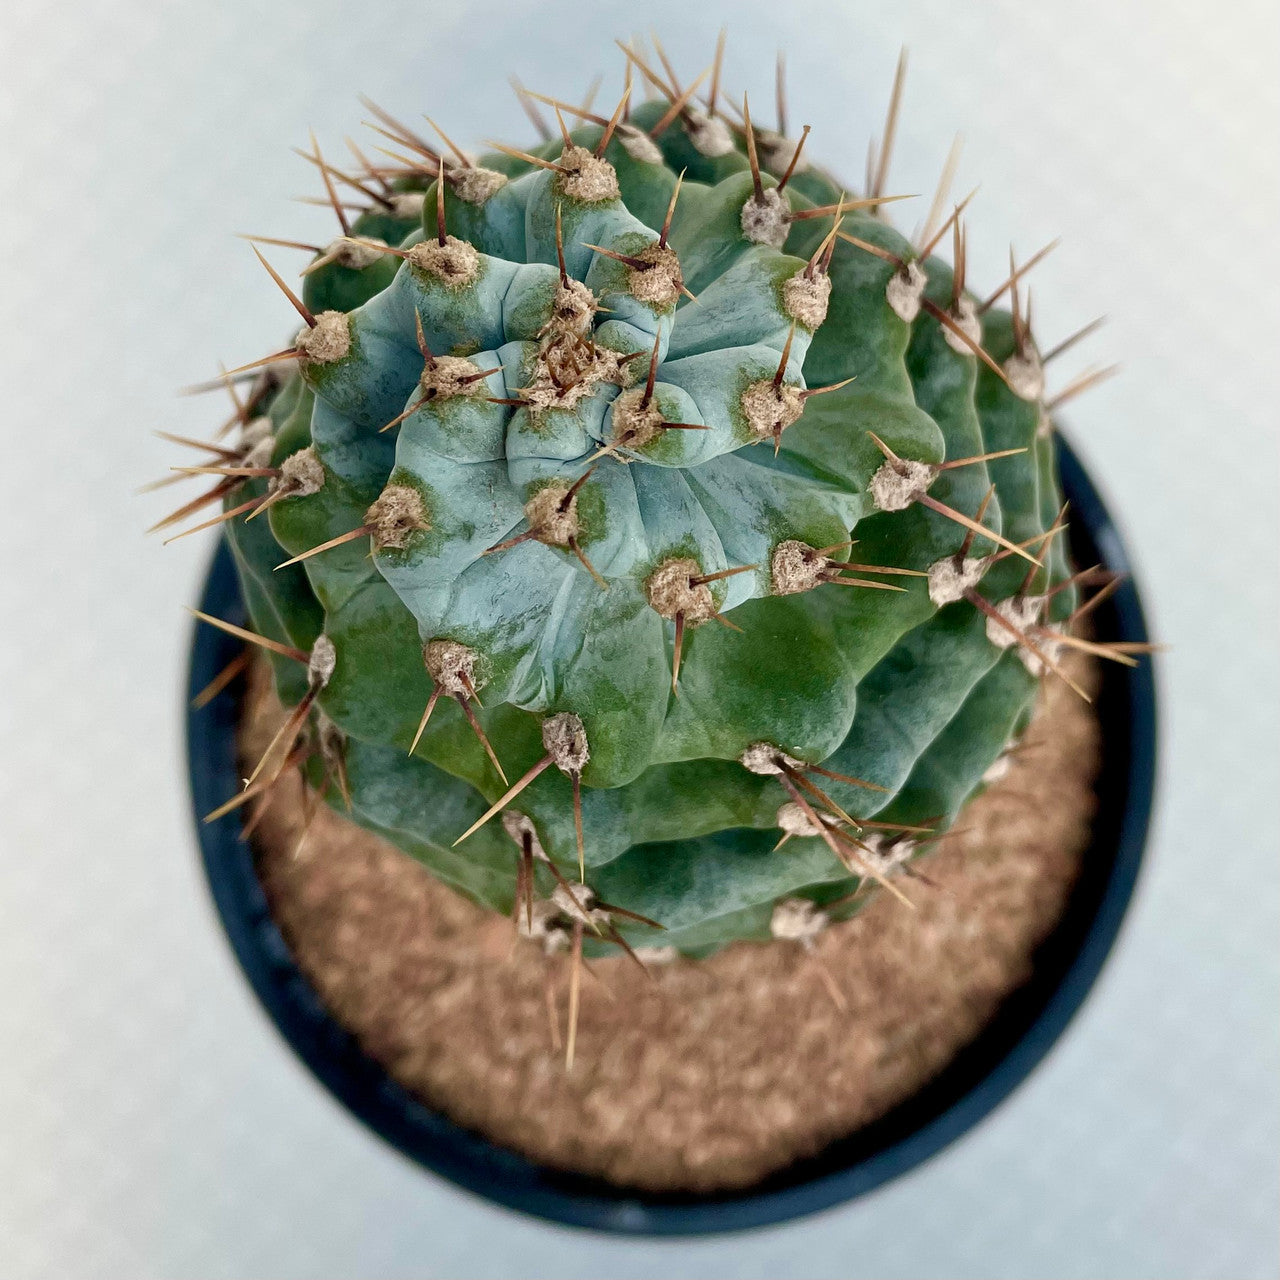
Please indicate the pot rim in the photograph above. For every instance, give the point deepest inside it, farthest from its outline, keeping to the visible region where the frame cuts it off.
(983, 1074)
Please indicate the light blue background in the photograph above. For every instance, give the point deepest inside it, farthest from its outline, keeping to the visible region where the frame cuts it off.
(151, 1125)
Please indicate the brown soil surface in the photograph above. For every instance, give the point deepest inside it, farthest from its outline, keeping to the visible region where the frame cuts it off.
(711, 1074)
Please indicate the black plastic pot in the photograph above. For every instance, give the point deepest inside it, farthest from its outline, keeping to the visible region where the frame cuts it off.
(985, 1073)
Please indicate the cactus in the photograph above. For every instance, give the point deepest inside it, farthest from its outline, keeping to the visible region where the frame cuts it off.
(648, 538)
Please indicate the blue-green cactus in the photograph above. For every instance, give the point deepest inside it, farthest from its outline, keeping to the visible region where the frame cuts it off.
(710, 520)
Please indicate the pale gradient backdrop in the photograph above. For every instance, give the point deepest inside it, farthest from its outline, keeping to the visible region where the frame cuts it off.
(151, 1124)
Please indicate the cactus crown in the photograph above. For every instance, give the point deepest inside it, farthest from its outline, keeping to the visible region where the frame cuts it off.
(696, 505)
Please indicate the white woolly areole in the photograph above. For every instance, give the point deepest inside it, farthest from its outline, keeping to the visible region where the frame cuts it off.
(476, 184)
(550, 518)
(770, 410)
(324, 658)
(395, 516)
(998, 768)
(775, 151)
(805, 298)
(355, 255)
(590, 179)
(573, 381)
(546, 927)
(949, 579)
(659, 281)
(874, 843)
(793, 820)
(635, 423)
(657, 955)
(637, 144)
(795, 567)
(1048, 644)
(883, 857)
(452, 666)
(1003, 763)
(904, 290)
(1025, 374)
(965, 315)
(573, 308)
(578, 902)
(328, 340)
(444, 376)
(670, 591)
(255, 431)
(767, 220)
(766, 759)
(520, 828)
(408, 204)
(797, 920)
(709, 135)
(1022, 611)
(332, 741)
(896, 485)
(565, 739)
(259, 455)
(455, 263)
(301, 474)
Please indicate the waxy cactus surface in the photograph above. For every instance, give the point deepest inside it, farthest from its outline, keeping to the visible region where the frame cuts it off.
(644, 529)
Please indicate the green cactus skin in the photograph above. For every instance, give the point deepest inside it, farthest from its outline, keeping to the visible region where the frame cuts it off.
(540, 434)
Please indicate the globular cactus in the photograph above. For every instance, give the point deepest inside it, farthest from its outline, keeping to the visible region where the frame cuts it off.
(713, 523)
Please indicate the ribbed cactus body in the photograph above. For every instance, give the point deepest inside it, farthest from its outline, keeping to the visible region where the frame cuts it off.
(575, 447)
